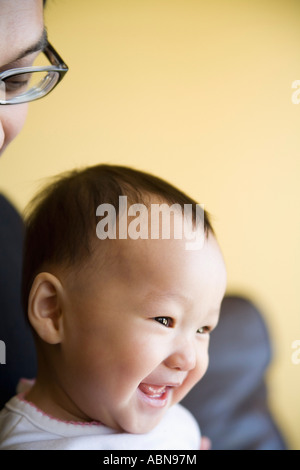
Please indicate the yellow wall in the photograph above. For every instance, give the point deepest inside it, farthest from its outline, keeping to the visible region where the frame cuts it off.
(199, 92)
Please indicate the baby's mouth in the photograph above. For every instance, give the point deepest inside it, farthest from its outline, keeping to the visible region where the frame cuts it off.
(153, 391)
(154, 395)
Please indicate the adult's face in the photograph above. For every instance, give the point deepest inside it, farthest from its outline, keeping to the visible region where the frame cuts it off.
(22, 37)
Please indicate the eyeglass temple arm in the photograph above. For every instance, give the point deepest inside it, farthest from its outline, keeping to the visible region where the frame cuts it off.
(54, 57)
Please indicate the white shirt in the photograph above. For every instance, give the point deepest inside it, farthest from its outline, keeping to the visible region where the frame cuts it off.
(25, 427)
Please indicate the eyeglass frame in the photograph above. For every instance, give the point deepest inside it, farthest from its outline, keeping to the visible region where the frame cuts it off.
(58, 65)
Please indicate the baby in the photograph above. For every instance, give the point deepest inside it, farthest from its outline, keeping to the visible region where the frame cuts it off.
(121, 318)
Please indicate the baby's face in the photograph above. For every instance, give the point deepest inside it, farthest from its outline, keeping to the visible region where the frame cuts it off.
(136, 334)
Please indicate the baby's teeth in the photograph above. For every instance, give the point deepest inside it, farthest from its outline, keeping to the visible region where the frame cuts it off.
(152, 390)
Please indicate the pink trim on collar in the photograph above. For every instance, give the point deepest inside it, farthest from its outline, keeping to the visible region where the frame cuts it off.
(21, 397)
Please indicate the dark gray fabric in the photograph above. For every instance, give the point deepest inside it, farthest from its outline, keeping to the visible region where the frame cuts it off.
(20, 353)
(230, 402)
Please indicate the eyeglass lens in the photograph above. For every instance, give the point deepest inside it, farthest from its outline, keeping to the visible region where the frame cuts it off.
(31, 85)
(28, 86)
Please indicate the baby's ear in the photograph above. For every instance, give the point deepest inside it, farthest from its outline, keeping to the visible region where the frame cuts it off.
(45, 307)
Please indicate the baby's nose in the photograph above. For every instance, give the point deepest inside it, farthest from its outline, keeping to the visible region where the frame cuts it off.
(184, 357)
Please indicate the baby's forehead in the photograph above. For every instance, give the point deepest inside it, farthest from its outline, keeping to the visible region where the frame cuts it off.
(120, 253)
(147, 267)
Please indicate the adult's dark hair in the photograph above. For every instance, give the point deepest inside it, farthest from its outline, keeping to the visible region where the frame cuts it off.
(60, 224)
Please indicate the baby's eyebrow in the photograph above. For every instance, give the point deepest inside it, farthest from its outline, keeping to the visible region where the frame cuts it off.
(169, 295)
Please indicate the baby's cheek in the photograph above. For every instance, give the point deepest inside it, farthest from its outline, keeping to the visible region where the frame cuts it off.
(192, 379)
(201, 367)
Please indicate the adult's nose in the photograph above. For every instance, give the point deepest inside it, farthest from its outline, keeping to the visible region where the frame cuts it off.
(2, 94)
(1, 134)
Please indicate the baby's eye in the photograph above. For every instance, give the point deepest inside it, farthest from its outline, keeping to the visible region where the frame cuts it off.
(166, 321)
(204, 330)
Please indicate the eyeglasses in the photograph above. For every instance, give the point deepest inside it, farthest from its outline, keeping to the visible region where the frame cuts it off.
(25, 84)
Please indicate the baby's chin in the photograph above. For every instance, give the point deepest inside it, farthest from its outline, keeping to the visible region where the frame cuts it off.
(142, 427)
(140, 424)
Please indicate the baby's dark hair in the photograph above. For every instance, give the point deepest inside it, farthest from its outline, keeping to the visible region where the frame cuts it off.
(60, 222)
